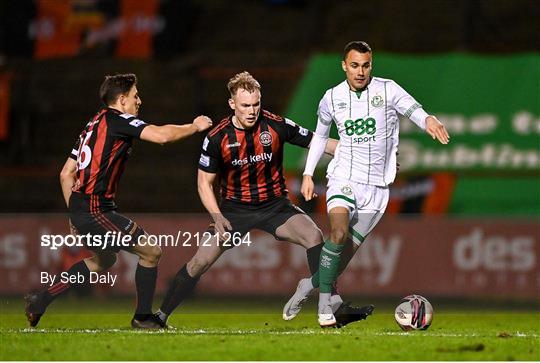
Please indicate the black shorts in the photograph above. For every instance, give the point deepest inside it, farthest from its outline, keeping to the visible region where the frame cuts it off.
(267, 216)
(96, 217)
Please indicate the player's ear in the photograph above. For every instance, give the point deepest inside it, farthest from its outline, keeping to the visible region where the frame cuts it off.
(231, 103)
(343, 66)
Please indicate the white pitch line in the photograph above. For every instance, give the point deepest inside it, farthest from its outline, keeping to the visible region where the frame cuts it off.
(254, 332)
(159, 331)
(456, 335)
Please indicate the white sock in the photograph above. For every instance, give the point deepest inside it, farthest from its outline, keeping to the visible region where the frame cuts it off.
(325, 303)
(335, 302)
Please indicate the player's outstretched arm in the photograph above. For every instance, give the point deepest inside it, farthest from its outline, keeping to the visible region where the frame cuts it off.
(436, 130)
(205, 185)
(171, 133)
(68, 177)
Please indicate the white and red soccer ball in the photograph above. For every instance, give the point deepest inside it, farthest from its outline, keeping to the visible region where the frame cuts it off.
(414, 312)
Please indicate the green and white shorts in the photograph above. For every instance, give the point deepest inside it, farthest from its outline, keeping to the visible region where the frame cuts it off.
(366, 205)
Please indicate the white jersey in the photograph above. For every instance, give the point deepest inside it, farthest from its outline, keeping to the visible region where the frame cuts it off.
(368, 127)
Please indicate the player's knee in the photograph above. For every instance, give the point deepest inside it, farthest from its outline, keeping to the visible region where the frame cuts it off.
(197, 266)
(100, 263)
(153, 254)
(311, 237)
(338, 235)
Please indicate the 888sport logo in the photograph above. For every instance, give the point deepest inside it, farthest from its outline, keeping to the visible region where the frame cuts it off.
(361, 127)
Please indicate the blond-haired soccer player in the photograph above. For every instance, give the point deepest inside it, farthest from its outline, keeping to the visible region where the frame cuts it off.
(246, 150)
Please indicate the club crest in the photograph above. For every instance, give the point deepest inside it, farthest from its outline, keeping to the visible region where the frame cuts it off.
(265, 138)
(377, 101)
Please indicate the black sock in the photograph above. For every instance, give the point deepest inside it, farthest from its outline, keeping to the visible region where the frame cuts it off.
(313, 257)
(182, 286)
(61, 288)
(145, 281)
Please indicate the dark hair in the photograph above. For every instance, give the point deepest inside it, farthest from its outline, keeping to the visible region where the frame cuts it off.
(243, 80)
(358, 45)
(114, 86)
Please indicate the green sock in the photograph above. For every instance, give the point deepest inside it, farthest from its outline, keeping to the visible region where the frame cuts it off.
(315, 279)
(329, 264)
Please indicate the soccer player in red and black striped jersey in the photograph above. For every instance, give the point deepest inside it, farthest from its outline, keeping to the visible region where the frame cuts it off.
(89, 181)
(246, 150)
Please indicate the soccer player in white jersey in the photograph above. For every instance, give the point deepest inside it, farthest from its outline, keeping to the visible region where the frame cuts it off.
(365, 110)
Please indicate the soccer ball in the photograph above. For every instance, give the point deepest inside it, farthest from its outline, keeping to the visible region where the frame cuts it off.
(414, 312)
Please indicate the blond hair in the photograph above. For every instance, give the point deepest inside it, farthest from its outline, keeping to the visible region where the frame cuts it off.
(243, 80)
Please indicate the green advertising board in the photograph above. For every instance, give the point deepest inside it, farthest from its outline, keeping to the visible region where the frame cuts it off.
(490, 106)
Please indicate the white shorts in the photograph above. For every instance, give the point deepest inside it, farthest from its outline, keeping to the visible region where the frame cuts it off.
(366, 205)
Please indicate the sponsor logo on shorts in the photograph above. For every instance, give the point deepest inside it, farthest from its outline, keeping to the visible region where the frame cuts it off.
(303, 131)
(265, 138)
(346, 190)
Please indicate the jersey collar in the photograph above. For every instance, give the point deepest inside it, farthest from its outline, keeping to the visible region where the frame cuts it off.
(358, 93)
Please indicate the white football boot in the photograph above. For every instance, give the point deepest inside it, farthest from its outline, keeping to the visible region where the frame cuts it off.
(326, 314)
(294, 305)
(327, 320)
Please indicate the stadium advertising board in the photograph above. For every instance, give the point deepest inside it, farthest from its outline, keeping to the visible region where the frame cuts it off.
(432, 256)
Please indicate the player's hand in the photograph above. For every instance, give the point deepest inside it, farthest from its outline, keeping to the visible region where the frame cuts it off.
(202, 123)
(436, 130)
(222, 225)
(308, 188)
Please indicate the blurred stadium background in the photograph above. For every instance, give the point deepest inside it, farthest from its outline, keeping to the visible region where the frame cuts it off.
(462, 221)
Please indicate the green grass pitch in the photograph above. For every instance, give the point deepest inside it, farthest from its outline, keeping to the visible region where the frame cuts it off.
(249, 329)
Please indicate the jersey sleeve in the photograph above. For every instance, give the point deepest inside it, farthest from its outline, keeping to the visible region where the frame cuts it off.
(210, 156)
(75, 150)
(320, 139)
(296, 134)
(407, 106)
(324, 112)
(126, 125)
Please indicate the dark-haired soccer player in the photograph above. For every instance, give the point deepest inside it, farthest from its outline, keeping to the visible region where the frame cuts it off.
(365, 163)
(246, 150)
(89, 180)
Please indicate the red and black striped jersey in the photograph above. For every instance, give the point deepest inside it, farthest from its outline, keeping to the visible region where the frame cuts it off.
(102, 149)
(250, 162)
